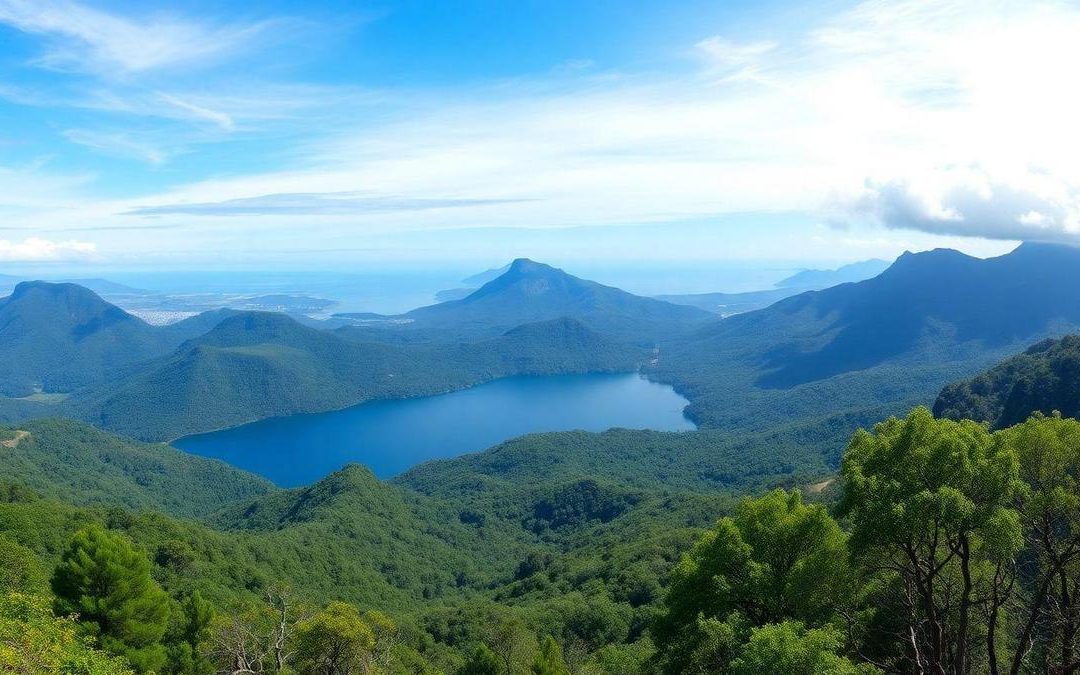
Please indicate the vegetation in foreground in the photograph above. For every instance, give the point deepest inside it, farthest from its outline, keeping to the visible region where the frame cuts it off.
(950, 548)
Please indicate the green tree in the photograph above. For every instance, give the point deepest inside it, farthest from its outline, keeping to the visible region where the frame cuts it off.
(20, 570)
(483, 661)
(549, 660)
(792, 649)
(930, 502)
(336, 641)
(1048, 449)
(777, 558)
(35, 642)
(188, 632)
(107, 583)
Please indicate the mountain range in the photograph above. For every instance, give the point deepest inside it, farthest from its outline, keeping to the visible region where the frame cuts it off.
(874, 347)
(857, 349)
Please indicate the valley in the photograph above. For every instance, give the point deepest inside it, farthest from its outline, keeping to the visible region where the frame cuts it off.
(379, 480)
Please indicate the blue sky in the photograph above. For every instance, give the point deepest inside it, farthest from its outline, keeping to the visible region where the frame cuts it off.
(334, 134)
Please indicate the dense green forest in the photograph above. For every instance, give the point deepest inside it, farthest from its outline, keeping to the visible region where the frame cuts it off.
(943, 547)
(1046, 378)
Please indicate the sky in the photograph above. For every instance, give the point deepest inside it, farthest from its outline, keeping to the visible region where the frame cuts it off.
(344, 135)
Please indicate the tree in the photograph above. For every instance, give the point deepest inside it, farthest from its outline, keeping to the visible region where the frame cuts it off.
(482, 662)
(254, 638)
(385, 632)
(1048, 450)
(106, 582)
(35, 642)
(188, 632)
(335, 641)
(930, 503)
(549, 660)
(791, 648)
(777, 558)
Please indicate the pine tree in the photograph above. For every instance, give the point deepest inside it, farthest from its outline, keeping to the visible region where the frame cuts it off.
(106, 582)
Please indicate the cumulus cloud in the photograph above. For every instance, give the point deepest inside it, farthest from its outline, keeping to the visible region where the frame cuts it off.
(35, 249)
(972, 202)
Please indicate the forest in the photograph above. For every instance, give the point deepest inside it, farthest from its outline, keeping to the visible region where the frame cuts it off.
(941, 547)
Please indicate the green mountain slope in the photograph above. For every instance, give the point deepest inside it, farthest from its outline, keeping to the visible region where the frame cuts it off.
(1044, 378)
(57, 337)
(255, 365)
(877, 346)
(73, 461)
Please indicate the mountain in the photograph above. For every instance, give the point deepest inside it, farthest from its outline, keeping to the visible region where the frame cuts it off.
(254, 365)
(876, 345)
(70, 460)
(1044, 378)
(529, 292)
(817, 279)
(56, 337)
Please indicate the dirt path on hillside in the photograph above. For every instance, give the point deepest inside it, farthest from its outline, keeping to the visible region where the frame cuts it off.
(12, 442)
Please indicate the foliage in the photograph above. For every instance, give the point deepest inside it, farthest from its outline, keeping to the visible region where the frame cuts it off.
(483, 661)
(790, 647)
(931, 501)
(335, 641)
(776, 559)
(107, 583)
(35, 642)
(68, 459)
(1044, 378)
(549, 660)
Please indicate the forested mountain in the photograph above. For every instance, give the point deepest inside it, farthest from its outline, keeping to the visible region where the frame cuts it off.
(254, 365)
(1045, 378)
(528, 292)
(893, 340)
(78, 463)
(57, 337)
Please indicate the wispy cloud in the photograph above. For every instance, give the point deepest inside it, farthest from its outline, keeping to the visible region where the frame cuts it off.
(84, 39)
(118, 144)
(326, 204)
(941, 119)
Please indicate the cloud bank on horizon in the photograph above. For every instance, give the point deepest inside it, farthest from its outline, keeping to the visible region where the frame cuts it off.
(139, 134)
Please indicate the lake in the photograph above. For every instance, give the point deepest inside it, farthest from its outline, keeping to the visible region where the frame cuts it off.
(392, 436)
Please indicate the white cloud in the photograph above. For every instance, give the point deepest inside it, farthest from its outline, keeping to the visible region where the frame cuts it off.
(951, 118)
(972, 202)
(35, 249)
(85, 39)
(118, 144)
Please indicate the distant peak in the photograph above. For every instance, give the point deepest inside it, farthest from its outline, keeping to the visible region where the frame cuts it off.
(526, 265)
(935, 256)
(24, 287)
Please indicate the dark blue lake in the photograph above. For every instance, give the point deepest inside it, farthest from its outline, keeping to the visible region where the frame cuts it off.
(392, 436)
